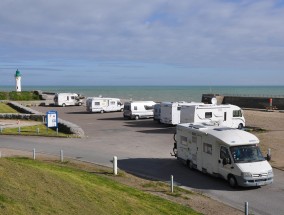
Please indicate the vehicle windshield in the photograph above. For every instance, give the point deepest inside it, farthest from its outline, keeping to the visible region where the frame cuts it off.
(246, 153)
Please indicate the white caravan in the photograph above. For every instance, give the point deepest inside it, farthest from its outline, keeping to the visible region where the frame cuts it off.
(66, 99)
(225, 115)
(170, 111)
(157, 112)
(101, 105)
(138, 109)
(224, 152)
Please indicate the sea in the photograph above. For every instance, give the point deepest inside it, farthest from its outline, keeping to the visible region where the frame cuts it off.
(158, 93)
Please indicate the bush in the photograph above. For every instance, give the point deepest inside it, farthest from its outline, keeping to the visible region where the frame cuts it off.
(23, 96)
(4, 95)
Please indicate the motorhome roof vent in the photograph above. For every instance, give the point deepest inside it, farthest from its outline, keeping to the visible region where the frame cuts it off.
(197, 126)
(223, 129)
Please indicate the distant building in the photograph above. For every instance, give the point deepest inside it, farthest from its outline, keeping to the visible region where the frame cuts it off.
(18, 81)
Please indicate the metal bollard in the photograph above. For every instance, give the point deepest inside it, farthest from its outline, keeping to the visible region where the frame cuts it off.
(61, 155)
(34, 154)
(172, 183)
(114, 165)
(57, 131)
(37, 130)
(19, 130)
(246, 208)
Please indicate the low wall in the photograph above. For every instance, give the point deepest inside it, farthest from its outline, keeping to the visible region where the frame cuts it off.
(30, 114)
(247, 102)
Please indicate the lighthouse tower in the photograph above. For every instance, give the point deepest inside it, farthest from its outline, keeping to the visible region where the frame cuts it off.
(18, 81)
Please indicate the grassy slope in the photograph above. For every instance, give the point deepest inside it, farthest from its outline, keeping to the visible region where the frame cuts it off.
(33, 187)
(4, 108)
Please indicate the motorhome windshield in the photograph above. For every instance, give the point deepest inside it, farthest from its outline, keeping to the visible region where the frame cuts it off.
(246, 153)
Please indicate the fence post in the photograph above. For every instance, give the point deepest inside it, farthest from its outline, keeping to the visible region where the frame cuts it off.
(61, 155)
(172, 183)
(57, 131)
(19, 129)
(246, 208)
(34, 156)
(114, 165)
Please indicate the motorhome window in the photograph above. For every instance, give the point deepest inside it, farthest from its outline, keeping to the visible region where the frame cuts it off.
(147, 107)
(207, 148)
(246, 153)
(67, 97)
(178, 108)
(225, 116)
(97, 103)
(208, 115)
(72, 97)
(135, 107)
(112, 103)
(237, 113)
(183, 140)
(224, 152)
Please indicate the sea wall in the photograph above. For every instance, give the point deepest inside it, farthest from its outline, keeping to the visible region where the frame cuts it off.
(246, 101)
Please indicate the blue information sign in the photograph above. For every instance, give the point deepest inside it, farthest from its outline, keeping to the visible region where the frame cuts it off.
(52, 118)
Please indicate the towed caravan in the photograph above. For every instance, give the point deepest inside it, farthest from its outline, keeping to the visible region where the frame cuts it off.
(101, 105)
(225, 115)
(68, 99)
(157, 112)
(138, 109)
(225, 152)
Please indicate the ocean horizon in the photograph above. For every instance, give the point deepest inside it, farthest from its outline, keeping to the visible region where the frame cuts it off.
(158, 93)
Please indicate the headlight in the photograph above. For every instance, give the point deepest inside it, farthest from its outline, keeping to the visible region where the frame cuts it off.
(270, 172)
(246, 174)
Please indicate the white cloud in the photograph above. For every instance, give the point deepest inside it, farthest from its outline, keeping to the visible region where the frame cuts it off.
(242, 34)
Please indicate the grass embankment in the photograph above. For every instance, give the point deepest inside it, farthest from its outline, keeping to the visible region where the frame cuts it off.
(36, 130)
(34, 187)
(4, 108)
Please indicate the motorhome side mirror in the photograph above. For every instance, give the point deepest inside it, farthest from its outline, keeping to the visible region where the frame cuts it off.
(226, 161)
(268, 157)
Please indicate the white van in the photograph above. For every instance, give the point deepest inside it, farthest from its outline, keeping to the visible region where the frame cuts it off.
(225, 152)
(225, 115)
(67, 99)
(170, 111)
(138, 109)
(101, 105)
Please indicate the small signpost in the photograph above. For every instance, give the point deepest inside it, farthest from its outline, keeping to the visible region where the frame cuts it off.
(52, 119)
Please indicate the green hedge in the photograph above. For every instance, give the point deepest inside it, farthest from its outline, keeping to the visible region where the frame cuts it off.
(19, 96)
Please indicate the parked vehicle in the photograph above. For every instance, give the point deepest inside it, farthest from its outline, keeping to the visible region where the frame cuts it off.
(170, 111)
(67, 99)
(225, 152)
(225, 115)
(101, 105)
(138, 109)
(157, 112)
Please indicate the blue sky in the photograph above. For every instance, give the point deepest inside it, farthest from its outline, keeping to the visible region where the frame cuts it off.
(151, 42)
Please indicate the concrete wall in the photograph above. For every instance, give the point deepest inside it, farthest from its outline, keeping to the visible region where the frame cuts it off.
(246, 102)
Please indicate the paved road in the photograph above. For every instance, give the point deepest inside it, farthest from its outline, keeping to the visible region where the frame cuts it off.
(143, 148)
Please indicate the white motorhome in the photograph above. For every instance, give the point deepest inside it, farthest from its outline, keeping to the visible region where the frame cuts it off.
(67, 99)
(157, 112)
(225, 115)
(138, 109)
(101, 105)
(170, 111)
(225, 152)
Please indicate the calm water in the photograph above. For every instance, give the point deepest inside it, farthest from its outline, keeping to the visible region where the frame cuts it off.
(158, 93)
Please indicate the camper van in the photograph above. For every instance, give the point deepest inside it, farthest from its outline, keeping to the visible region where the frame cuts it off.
(225, 115)
(138, 109)
(67, 99)
(157, 112)
(101, 105)
(225, 152)
(170, 111)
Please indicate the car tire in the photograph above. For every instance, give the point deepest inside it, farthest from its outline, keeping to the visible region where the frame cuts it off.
(240, 126)
(63, 105)
(232, 181)
(136, 117)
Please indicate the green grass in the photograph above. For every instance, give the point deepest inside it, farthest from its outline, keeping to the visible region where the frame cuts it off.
(33, 131)
(19, 96)
(4, 108)
(34, 187)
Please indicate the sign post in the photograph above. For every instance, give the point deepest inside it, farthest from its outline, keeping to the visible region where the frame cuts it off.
(52, 119)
